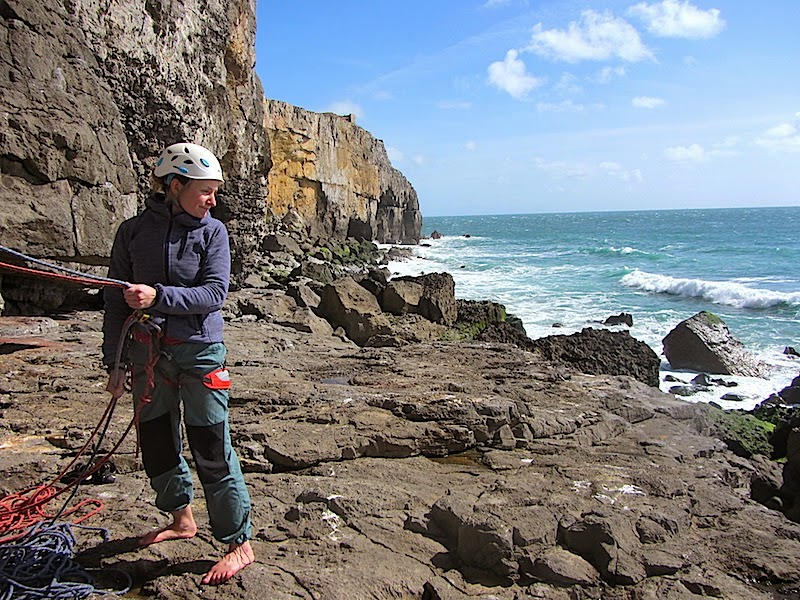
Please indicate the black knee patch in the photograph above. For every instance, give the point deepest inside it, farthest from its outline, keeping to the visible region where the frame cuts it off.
(159, 453)
(208, 449)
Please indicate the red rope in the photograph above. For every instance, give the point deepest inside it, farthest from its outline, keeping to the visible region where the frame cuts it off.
(61, 276)
(19, 511)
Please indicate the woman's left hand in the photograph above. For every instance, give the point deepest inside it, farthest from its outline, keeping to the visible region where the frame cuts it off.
(139, 295)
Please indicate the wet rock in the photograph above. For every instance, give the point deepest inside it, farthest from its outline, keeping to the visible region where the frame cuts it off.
(620, 319)
(704, 343)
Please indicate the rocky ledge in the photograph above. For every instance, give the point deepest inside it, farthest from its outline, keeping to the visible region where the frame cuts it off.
(435, 470)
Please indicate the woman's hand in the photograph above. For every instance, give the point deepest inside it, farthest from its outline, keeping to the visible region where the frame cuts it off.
(139, 295)
(116, 383)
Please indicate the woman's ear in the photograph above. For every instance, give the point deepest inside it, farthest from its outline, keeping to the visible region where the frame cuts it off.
(175, 186)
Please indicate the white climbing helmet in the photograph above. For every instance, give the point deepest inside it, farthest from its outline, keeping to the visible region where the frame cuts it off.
(189, 160)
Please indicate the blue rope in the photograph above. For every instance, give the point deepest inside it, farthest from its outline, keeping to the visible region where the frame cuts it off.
(37, 261)
(40, 566)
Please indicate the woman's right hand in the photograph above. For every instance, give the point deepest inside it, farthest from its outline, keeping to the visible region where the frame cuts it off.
(139, 295)
(116, 383)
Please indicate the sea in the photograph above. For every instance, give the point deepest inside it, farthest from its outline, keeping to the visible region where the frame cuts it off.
(562, 272)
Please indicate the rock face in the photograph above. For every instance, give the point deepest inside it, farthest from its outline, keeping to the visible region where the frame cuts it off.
(431, 296)
(93, 90)
(337, 178)
(704, 343)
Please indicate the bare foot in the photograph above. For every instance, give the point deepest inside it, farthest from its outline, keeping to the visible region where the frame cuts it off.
(237, 558)
(182, 528)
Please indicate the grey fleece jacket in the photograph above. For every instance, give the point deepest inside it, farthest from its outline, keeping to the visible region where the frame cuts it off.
(186, 259)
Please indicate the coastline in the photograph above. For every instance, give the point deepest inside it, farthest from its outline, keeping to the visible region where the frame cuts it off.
(427, 257)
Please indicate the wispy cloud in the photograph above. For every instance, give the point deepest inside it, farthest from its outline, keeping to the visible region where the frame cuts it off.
(616, 171)
(511, 75)
(395, 156)
(606, 74)
(346, 107)
(568, 85)
(647, 102)
(563, 106)
(562, 169)
(676, 18)
(783, 138)
(597, 36)
(454, 105)
(692, 153)
(581, 170)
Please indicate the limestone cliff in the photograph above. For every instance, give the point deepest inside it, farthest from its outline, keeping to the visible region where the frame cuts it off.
(92, 90)
(337, 178)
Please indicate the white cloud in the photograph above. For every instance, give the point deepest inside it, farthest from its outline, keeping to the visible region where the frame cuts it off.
(676, 18)
(346, 107)
(616, 170)
(581, 170)
(471, 146)
(598, 36)
(511, 75)
(606, 74)
(395, 156)
(647, 102)
(495, 3)
(418, 159)
(783, 138)
(561, 169)
(693, 153)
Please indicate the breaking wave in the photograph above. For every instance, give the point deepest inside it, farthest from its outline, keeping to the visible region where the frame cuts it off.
(719, 292)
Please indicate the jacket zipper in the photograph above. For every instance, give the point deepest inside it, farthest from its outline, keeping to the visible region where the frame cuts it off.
(166, 268)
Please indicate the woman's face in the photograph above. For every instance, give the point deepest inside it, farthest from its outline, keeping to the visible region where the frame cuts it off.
(198, 196)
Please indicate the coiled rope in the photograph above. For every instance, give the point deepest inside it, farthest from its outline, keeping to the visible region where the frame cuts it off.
(40, 566)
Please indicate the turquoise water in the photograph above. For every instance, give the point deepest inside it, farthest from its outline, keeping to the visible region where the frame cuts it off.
(661, 266)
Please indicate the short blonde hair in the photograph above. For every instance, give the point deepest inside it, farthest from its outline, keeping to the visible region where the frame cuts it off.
(157, 184)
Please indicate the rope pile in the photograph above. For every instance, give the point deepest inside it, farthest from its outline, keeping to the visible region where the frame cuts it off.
(40, 566)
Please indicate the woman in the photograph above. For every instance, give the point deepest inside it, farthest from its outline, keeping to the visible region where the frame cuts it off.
(179, 257)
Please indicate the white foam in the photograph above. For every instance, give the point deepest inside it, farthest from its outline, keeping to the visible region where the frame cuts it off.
(719, 292)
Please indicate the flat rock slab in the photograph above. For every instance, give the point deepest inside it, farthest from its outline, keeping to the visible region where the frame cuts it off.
(436, 470)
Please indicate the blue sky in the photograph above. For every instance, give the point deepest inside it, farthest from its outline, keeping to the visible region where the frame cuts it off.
(518, 106)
